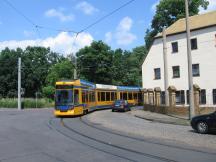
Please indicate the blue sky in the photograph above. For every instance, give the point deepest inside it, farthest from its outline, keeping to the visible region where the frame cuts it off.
(125, 29)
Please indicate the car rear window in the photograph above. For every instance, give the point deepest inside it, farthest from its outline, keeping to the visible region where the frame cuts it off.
(119, 102)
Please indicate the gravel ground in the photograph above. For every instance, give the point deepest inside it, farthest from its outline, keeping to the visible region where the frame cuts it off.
(127, 123)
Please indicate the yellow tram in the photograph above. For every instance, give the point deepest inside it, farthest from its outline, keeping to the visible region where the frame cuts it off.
(79, 97)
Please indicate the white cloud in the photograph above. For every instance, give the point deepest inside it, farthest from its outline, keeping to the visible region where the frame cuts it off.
(153, 7)
(59, 14)
(86, 8)
(63, 42)
(125, 24)
(125, 38)
(211, 7)
(122, 35)
(108, 37)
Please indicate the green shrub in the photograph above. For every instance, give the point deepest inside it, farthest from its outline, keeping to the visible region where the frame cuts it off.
(8, 103)
(26, 103)
(48, 91)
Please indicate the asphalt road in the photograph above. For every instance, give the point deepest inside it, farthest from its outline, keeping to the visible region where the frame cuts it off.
(35, 135)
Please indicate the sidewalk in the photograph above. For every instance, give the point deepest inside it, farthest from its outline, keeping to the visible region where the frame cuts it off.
(161, 118)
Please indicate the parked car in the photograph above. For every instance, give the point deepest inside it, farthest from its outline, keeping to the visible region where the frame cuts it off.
(204, 123)
(121, 105)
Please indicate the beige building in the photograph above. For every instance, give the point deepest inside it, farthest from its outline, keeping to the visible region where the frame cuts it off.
(203, 50)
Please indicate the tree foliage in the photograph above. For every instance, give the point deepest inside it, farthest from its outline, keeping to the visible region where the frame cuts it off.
(169, 11)
(94, 63)
(36, 62)
(60, 71)
(41, 68)
(48, 91)
(99, 64)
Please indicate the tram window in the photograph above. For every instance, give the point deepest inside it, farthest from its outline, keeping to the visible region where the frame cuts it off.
(76, 97)
(107, 96)
(112, 96)
(115, 96)
(86, 96)
(121, 95)
(102, 96)
(135, 96)
(93, 97)
(130, 96)
(83, 96)
(90, 97)
(125, 96)
(99, 96)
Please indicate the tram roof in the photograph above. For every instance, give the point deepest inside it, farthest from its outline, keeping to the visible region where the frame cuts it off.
(128, 88)
(104, 86)
(84, 83)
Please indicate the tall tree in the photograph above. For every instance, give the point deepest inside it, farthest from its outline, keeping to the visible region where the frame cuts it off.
(133, 62)
(118, 67)
(8, 72)
(94, 62)
(36, 64)
(59, 71)
(169, 11)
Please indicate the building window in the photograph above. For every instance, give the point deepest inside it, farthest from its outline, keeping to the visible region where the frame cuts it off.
(214, 96)
(180, 97)
(195, 69)
(176, 72)
(202, 96)
(193, 44)
(174, 47)
(157, 73)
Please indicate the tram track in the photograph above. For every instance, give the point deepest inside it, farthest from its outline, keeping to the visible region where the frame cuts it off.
(51, 126)
(147, 155)
(141, 139)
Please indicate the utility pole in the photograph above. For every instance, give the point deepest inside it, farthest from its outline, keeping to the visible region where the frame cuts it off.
(165, 67)
(189, 57)
(19, 83)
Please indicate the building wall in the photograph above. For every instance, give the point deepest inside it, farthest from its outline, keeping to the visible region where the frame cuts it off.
(205, 56)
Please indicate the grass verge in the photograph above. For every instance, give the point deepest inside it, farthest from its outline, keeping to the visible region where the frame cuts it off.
(26, 103)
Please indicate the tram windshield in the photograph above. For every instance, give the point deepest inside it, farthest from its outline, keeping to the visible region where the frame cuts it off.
(64, 97)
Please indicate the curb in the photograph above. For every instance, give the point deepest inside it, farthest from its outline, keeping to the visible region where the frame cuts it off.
(162, 121)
